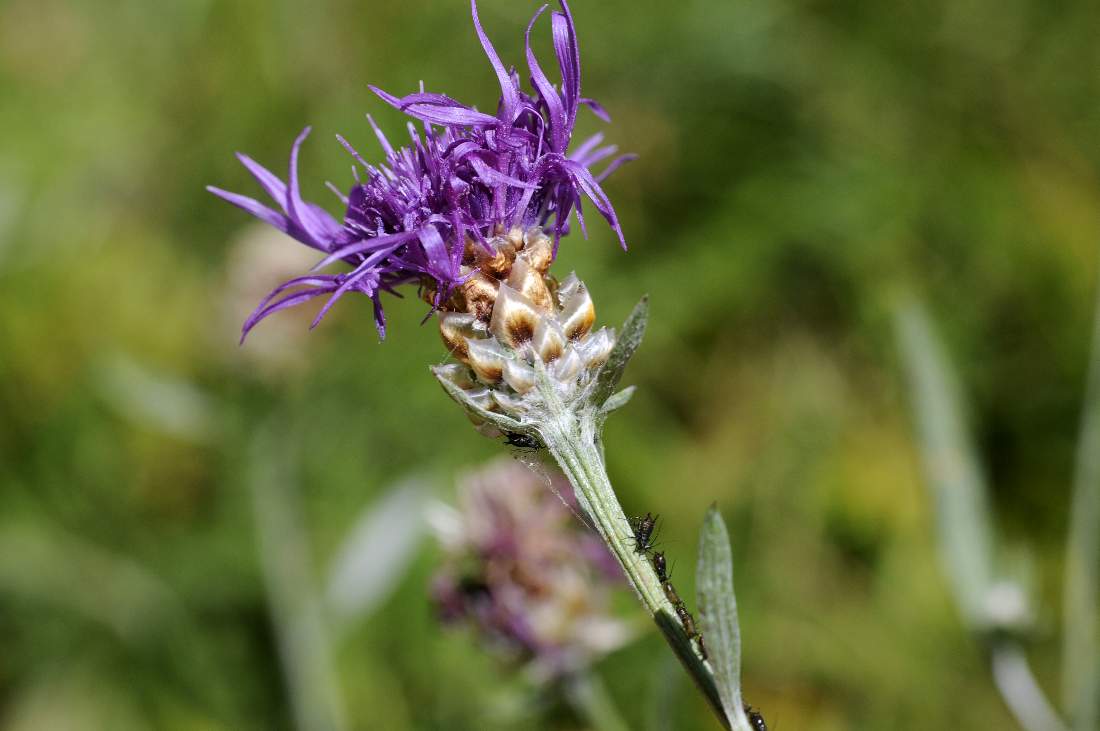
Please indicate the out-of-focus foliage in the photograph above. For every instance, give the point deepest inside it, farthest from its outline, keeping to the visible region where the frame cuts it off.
(799, 161)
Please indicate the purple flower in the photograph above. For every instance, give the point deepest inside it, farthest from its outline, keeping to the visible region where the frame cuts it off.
(464, 178)
(517, 567)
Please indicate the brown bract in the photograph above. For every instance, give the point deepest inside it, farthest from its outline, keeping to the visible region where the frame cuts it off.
(512, 303)
(511, 317)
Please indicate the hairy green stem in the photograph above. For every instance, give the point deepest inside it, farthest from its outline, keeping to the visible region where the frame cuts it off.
(572, 443)
(572, 438)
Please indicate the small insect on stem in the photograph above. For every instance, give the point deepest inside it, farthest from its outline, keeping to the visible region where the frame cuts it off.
(686, 620)
(755, 719)
(522, 441)
(702, 647)
(643, 532)
(660, 565)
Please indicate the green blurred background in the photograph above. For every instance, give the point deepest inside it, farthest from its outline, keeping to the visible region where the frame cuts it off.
(801, 162)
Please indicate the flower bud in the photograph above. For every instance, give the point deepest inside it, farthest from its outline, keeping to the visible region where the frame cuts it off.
(511, 319)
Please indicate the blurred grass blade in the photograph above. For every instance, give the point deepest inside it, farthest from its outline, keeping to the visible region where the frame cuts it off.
(49, 565)
(665, 688)
(718, 614)
(627, 341)
(1021, 692)
(377, 552)
(156, 401)
(950, 464)
(588, 696)
(296, 615)
(1081, 615)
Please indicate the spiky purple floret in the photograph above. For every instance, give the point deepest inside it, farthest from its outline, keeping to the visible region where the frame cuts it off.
(465, 175)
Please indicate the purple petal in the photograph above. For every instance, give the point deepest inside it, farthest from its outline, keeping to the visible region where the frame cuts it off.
(317, 224)
(323, 280)
(569, 59)
(580, 217)
(615, 165)
(428, 97)
(257, 209)
(353, 152)
(462, 148)
(492, 175)
(509, 100)
(592, 189)
(337, 192)
(386, 147)
(290, 300)
(601, 154)
(270, 182)
(439, 260)
(380, 321)
(450, 116)
(596, 108)
(586, 147)
(369, 270)
(364, 272)
(359, 247)
(385, 96)
(460, 178)
(437, 109)
(556, 112)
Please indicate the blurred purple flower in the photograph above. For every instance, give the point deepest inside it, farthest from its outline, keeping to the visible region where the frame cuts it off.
(466, 177)
(525, 574)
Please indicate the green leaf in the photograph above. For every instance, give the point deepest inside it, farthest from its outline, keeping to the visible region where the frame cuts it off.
(952, 469)
(617, 401)
(625, 344)
(718, 614)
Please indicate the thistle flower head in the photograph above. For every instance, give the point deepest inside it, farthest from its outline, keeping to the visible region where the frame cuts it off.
(465, 177)
(510, 320)
(524, 574)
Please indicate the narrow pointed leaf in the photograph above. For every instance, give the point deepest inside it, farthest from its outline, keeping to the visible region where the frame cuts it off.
(617, 401)
(718, 615)
(628, 341)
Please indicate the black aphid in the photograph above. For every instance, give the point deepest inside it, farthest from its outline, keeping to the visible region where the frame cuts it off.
(702, 648)
(643, 532)
(755, 719)
(522, 441)
(660, 565)
(686, 620)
